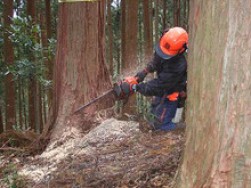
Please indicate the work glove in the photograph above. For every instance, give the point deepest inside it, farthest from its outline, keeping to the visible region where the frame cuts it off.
(140, 76)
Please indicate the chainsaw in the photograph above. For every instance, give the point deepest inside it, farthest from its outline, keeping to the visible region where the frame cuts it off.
(116, 91)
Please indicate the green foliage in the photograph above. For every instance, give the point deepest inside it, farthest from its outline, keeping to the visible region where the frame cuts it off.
(29, 52)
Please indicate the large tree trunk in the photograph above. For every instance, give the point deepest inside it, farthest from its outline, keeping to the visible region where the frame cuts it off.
(8, 54)
(218, 136)
(80, 72)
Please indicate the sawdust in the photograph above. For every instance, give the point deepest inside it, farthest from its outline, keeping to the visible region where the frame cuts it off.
(114, 154)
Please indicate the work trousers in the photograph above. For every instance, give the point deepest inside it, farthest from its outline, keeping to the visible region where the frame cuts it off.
(163, 111)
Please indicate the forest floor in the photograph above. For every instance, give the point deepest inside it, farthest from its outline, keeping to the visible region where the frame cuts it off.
(113, 154)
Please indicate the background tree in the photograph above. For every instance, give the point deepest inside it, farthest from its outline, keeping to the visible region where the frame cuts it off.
(217, 152)
(1, 70)
(129, 34)
(110, 36)
(45, 22)
(1, 121)
(9, 61)
(31, 11)
(156, 20)
(176, 12)
(129, 47)
(80, 70)
(148, 29)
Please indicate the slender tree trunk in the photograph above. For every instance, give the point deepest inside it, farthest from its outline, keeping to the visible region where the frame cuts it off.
(25, 108)
(123, 31)
(1, 121)
(20, 103)
(187, 13)
(129, 48)
(80, 70)
(38, 94)
(48, 35)
(164, 16)
(110, 36)
(32, 101)
(148, 32)
(217, 152)
(31, 8)
(8, 54)
(156, 21)
(117, 36)
(185, 18)
(32, 83)
(130, 35)
(48, 18)
(38, 112)
(176, 12)
(34, 90)
(45, 93)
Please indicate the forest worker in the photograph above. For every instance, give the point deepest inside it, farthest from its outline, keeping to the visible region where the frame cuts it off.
(171, 66)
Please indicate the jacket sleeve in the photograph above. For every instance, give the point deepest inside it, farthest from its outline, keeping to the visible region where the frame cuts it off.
(167, 82)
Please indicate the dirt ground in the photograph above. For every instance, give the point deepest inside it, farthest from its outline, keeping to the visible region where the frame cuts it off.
(114, 154)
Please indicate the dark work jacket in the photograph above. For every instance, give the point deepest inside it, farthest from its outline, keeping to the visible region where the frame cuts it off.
(171, 76)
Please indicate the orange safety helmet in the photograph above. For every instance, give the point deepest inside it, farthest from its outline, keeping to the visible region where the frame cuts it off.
(172, 43)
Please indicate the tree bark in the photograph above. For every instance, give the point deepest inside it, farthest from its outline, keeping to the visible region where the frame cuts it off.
(185, 15)
(48, 35)
(130, 35)
(148, 32)
(123, 31)
(217, 152)
(8, 54)
(31, 8)
(156, 21)
(129, 45)
(164, 16)
(48, 18)
(110, 36)
(20, 103)
(1, 121)
(80, 72)
(176, 12)
(32, 84)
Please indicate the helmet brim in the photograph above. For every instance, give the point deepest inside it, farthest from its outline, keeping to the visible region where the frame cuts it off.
(161, 53)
